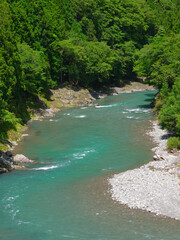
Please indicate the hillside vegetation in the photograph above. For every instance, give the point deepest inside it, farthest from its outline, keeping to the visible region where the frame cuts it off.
(89, 43)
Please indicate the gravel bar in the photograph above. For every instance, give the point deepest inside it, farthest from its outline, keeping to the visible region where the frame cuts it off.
(154, 187)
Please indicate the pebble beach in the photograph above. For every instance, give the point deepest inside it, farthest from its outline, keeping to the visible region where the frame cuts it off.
(153, 187)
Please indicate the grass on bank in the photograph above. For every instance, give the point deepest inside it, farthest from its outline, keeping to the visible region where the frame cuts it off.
(12, 136)
(173, 143)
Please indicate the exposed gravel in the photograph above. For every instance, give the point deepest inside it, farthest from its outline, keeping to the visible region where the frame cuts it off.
(153, 187)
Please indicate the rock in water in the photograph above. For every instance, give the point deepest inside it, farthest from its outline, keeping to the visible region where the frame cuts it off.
(6, 162)
(20, 158)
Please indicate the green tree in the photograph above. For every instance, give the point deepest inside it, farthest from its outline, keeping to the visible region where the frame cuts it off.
(35, 76)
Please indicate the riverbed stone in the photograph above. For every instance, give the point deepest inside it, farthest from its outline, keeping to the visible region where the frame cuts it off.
(20, 158)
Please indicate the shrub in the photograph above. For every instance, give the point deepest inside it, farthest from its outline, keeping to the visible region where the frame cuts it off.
(173, 142)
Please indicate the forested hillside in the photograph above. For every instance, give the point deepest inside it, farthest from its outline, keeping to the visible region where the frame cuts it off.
(90, 43)
(159, 62)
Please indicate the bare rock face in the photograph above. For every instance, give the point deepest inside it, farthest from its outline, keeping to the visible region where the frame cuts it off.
(20, 158)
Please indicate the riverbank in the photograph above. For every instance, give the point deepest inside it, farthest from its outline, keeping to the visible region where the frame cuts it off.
(154, 187)
(67, 97)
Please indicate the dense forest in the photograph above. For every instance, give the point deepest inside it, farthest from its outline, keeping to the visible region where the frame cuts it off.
(89, 43)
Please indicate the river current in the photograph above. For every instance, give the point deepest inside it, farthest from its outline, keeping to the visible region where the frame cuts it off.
(67, 197)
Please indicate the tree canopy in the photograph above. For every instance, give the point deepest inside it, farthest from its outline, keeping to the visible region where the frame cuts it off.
(91, 43)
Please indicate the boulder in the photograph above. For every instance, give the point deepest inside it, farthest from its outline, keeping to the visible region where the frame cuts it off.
(6, 162)
(158, 158)
(155, 157)
(3, 170)
(20, 158)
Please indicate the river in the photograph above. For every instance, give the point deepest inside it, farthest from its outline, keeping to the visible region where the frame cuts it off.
(68, 197)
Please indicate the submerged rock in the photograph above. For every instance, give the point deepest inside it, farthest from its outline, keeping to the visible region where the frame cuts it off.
(18, 167)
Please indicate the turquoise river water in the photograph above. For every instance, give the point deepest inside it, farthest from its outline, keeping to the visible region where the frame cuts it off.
(67, 197)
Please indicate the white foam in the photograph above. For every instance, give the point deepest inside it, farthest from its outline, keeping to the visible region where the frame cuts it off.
(147, 110)
(12, 198)
(80, 116)
(103, 106)
(52, 166)
(21, 222)
(67, 114)
(88, 151)
(82, 154)
(54, 120)
(83, 108)
(79, 157)
(14, 214)
(131, 117)
(134, 110)
(137, 110)
(45, 168)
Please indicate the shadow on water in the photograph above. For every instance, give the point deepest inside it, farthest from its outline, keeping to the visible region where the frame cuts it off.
(145, 106)
(151, 94)
(150, 99)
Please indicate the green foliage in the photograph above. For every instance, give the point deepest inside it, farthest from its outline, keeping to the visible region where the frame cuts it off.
(38, 23)
(169, 115)
(7, 121)
(10, 71)
(87, 63)
(159, 61)
(115, 21)
(87, 42)
(42, 25)
(168, 12)
(122, 25)
(100, 65)
(35, 75)
(173, 142)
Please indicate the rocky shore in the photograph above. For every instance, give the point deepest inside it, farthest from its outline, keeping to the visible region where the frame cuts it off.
(8, 162)
(154, 187)
(68, 97)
